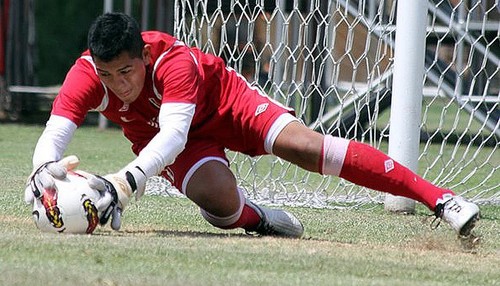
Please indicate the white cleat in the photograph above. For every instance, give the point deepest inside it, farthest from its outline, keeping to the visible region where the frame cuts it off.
(461, 214)
(276, 222)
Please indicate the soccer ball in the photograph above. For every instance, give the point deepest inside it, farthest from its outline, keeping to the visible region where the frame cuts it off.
(68, 208)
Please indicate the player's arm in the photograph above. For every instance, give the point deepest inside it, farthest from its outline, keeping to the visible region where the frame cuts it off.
(54, 140)
(80, 91)
(48, 151)
(174, 120)
(180, 78)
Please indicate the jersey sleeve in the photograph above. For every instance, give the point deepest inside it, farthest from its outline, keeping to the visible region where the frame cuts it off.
(81, 91)
(177, 76)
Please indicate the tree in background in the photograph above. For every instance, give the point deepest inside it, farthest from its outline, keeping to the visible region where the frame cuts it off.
(39, 40)
(61, 29)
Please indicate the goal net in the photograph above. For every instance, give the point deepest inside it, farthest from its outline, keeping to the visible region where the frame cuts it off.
(332, 61)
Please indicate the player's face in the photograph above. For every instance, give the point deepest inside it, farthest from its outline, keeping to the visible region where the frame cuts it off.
(124, 75)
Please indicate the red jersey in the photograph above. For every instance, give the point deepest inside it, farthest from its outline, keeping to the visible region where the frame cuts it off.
(177, 73)
(229, 113)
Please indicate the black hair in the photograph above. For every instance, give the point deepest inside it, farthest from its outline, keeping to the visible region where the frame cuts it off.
(113, 33)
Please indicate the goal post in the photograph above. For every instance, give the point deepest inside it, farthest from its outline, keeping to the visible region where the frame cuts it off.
(336, 63)
(407, 92)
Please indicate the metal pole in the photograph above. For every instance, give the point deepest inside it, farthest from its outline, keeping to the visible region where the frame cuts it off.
(127, 7)
(407, 92)
(108, 6)
(145, 15)
(102, 121)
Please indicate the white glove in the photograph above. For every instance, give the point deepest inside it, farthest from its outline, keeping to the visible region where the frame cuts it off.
(120, 187)
(43, 177)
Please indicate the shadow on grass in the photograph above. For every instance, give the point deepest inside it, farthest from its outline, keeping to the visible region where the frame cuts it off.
(172, 233)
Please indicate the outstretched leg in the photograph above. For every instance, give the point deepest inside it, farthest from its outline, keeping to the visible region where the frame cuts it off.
(366, 166)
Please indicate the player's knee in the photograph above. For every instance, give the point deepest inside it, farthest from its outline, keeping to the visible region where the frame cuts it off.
(225, 221)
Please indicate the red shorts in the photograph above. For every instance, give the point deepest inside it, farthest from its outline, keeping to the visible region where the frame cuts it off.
(241, 125)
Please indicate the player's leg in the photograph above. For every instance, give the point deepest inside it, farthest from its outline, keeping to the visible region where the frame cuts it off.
(366, 166)
(201, 172)
(212, 186)
(353, 161)
(265, 121)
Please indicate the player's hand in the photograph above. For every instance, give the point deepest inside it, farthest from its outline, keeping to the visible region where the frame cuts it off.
(108, 205)
(117, 189)
(43, 177)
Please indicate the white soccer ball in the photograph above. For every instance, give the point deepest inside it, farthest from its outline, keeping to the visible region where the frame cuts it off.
(69, 208)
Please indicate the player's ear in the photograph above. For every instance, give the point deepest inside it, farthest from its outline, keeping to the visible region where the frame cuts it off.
(146, 54)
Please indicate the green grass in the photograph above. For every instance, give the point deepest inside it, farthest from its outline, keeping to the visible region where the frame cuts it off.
(164, 240)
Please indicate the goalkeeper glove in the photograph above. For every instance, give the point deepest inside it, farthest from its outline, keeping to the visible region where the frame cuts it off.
(119, 187)
(43, 177)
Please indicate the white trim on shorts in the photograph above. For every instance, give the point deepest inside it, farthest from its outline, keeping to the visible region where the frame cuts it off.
(278, 126)
(196, 166)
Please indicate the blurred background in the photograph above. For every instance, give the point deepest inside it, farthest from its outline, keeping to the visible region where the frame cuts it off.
(40, 40)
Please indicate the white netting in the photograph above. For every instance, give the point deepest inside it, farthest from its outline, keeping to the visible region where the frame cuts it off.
(332, 62)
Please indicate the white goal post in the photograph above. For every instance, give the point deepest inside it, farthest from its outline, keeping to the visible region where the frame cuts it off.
(407, 91)
(333, 62)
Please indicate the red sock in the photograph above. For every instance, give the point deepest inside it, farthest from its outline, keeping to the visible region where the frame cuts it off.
(248, 220)
(371, 168)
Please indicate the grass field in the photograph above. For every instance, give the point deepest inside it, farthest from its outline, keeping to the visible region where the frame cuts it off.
(164, 240)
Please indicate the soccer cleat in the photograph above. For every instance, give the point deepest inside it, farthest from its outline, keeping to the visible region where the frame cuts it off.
(276, 222)
(461, 214)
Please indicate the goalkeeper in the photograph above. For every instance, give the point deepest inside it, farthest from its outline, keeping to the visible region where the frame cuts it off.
(181, 109)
